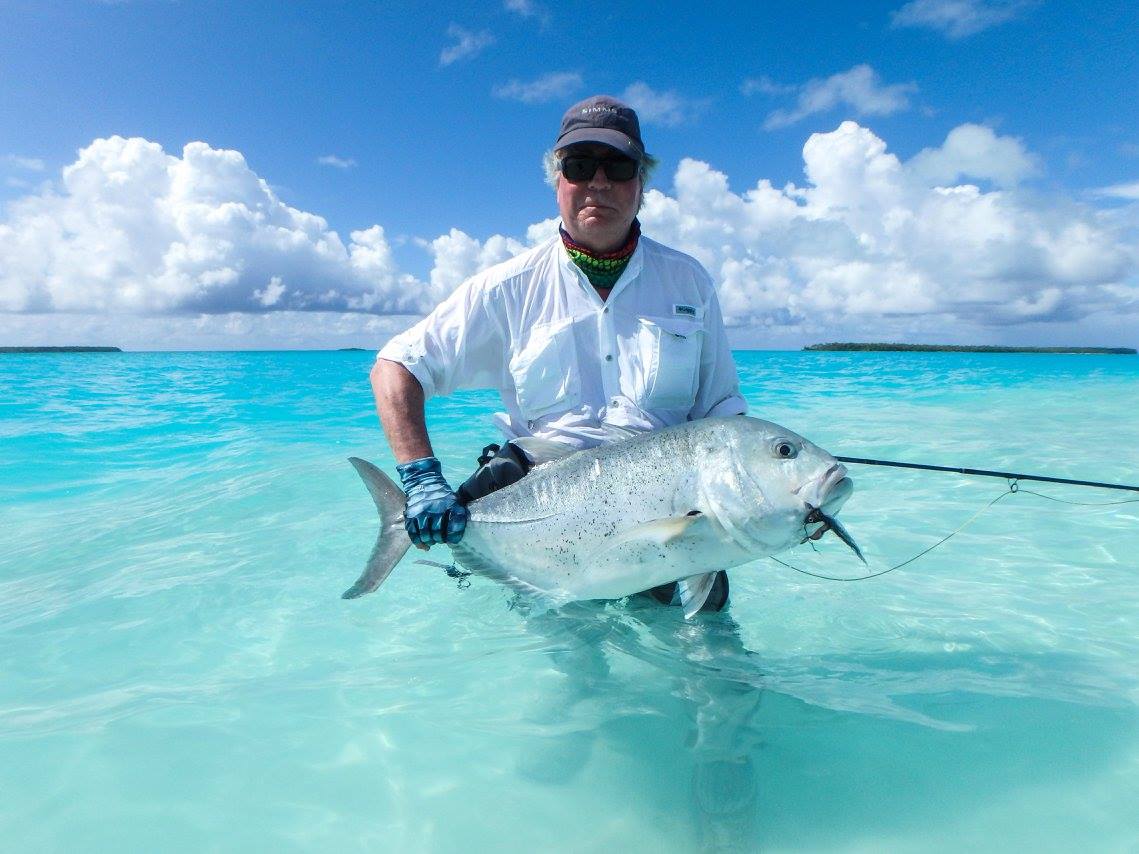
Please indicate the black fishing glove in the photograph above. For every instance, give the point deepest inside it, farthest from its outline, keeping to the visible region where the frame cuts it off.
(432, 514)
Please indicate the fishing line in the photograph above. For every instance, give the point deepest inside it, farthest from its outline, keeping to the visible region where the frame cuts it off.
(1013, 489)
(1080, 503)
(1010, 491)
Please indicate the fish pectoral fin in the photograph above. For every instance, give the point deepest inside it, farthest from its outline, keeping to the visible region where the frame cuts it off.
(652, 536)
(694, 592)
(657, 551)
(659, 531)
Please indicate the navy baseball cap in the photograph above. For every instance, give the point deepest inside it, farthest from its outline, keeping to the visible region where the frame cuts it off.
(604, 120)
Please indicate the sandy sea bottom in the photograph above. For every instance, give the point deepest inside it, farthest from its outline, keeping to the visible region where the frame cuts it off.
(180, 674)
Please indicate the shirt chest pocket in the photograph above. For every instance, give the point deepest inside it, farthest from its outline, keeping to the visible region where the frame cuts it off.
(545, 372)
(670, 349)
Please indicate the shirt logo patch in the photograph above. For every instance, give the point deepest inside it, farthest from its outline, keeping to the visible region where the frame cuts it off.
(685, 310)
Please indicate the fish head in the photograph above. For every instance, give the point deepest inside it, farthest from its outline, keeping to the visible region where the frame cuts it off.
(789, 489)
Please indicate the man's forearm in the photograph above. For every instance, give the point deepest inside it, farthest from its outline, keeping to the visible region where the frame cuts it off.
(399, 402)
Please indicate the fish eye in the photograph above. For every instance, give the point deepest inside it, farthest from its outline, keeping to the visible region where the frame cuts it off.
(785, 449)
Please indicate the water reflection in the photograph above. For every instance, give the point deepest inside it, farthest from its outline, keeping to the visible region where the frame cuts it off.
(716, 749)
(702, 663)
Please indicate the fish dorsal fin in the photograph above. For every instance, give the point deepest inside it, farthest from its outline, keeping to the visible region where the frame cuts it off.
(542, 451)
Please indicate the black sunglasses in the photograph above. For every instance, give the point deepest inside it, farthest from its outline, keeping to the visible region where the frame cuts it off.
(582, 167)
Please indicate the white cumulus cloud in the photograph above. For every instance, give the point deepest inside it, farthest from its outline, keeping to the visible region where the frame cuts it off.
(132, 242)
(272, 293)
(131, 228)
(459, 256)
(957, 19)
(858, 90)
(549, 87)
(975, 151)
(868, 238)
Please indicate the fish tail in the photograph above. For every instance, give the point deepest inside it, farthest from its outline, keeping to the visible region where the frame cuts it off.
(392, 542)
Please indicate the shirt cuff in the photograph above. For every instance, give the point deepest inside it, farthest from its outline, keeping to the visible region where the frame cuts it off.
(397, 351)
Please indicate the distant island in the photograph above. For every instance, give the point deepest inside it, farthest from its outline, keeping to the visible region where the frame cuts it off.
(60, 350)
(969, 348)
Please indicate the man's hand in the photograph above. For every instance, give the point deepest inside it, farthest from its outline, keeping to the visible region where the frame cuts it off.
(433, 514)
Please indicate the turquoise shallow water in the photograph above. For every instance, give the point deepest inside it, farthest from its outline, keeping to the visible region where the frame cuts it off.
(179, 674)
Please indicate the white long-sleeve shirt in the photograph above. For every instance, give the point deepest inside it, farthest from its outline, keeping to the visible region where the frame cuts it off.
(568, 363)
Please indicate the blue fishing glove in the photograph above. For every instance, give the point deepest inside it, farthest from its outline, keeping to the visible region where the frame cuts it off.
(432, 514)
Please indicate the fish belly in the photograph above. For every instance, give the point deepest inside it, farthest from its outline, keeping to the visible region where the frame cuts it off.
(595, 563)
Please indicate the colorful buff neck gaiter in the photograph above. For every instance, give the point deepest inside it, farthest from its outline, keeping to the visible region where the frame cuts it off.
(603, 271)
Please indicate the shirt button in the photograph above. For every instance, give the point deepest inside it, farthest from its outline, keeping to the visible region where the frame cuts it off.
(605, 310)
(609, 358)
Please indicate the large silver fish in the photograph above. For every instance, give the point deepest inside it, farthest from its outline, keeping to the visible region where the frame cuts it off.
(672, 505)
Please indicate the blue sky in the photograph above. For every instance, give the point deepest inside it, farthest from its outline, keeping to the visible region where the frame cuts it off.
(429, 121)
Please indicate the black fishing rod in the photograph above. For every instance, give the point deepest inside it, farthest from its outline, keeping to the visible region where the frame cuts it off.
(985, 473)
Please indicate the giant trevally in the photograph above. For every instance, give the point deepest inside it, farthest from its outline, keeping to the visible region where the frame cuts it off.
(676, 504)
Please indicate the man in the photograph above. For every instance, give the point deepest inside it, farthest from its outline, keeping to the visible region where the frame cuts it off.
(596, 330)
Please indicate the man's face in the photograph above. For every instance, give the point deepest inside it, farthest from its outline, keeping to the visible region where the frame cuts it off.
(598, 213)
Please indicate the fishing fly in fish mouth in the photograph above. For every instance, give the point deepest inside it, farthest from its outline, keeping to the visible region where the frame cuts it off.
(837, 487)
(830, 523)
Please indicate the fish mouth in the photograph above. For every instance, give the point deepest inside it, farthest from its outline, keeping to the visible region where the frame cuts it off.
(834, 488)
(828, 487)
